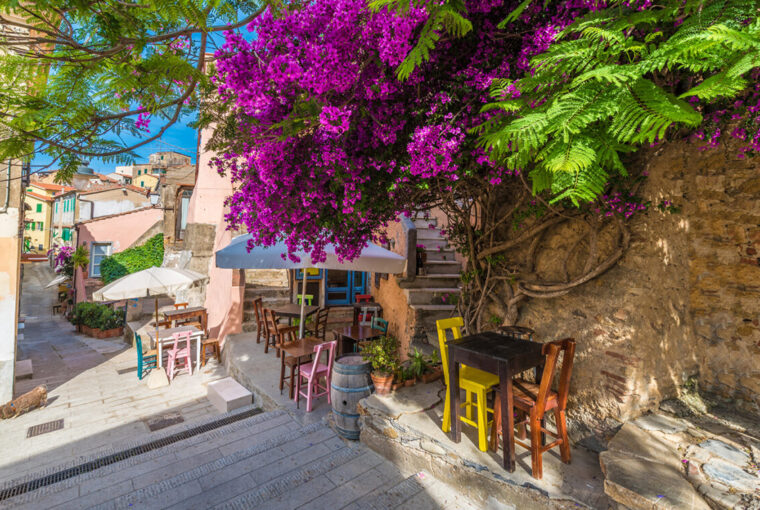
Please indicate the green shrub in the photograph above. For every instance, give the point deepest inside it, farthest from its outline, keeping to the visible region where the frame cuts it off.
(134, 259)
(96, 316)
(382, 354)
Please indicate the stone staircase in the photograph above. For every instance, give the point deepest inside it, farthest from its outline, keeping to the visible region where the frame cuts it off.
(270, 285)
(266, 460)
(433, 296)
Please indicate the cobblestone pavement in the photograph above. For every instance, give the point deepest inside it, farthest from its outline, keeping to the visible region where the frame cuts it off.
(269, 460)
(92, 385)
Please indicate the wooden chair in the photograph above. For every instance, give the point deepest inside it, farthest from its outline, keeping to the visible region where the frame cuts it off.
(534, 400)
(312, 372)
(308, 299)
(367, 314)
(472, 380)
(145, 359)
(272, 329)
(289, 334)
(380, 324)
(319, 326)
(364, 298)
(178, 353)
(215, 349)
(180, 306)
(258, 309)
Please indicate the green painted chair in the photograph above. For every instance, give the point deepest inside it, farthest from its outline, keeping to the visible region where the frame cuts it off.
(380, 324)
(145, 360)
(309, 298)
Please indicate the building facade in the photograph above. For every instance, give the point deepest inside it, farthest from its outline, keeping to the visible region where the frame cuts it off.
(37, 222)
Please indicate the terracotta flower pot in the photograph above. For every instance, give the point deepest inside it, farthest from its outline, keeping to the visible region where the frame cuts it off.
(382, 382)
(409, 382)
(432, 375)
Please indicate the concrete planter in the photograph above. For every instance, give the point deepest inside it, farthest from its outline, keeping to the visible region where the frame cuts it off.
(101, 333)
(108, 333)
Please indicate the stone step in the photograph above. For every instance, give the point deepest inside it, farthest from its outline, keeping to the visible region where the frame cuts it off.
(424, 317)
(422, 223)
(155, 467)
(432, 245)
(432, 281)
(266, 301)
(446, 254)
(420, 490)
(433, 296)
(252, 292)
(208, 484)
(424, 234)
(434, 267)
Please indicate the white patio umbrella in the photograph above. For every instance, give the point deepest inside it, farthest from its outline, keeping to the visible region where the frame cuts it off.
(55, 281)
(151, 282)
(372, 258)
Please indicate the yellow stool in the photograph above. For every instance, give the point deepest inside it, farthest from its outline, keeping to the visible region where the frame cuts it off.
(471, 380)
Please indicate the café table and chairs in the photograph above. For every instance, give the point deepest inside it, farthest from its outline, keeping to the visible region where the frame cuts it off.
(182, 315)
(350, 338)
(293, 311)
(165, 337)
(504, 357)
(533, 401)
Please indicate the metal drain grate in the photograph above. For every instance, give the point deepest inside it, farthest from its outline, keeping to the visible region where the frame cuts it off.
(44, 428)
(92, 465)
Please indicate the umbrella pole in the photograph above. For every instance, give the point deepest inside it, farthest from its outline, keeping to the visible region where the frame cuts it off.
(303, 301)
(156, 319)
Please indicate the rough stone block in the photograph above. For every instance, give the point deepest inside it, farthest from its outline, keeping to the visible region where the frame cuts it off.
(731, 476)
(631, 440)
(660, 423)
(24, 369)
(642, 484)
(227, 394)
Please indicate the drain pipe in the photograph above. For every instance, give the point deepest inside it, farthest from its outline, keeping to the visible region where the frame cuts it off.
(4, 208)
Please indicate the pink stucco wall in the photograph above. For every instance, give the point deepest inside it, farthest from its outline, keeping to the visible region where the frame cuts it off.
(225, 288)
(121, 231)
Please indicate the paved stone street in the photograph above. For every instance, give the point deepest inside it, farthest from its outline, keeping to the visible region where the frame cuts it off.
(92, 385)
(272, 460)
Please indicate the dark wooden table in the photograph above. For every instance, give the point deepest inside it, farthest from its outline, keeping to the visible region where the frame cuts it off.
(358, 309)
(498, 354)
(298, 349)
(293, 311)
(355, 334)
(193, 312)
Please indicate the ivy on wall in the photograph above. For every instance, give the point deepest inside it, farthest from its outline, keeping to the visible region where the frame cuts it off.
(134, 259)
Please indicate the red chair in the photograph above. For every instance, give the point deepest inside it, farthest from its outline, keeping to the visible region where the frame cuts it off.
(362, 317)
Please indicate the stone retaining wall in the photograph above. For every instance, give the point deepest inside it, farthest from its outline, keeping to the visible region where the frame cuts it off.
(681, 306)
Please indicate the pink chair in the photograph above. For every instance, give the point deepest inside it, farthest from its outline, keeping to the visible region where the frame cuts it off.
(177, 353)
(315, 370)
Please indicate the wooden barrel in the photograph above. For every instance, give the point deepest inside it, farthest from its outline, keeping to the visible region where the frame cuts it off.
(350, 383)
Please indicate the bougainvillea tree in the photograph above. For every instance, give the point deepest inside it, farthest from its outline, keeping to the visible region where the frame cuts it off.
(336, 116)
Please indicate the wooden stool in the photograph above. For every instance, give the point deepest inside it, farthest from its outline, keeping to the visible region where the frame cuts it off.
(214, 344)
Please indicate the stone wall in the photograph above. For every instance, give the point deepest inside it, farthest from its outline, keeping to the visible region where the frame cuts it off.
(682, 305)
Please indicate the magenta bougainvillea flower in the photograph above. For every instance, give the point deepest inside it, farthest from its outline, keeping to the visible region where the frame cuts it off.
(329, 146)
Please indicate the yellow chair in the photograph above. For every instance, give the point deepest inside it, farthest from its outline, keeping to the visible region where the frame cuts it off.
(471, 380)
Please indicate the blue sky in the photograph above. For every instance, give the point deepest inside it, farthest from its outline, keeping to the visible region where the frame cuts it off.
(178, 138)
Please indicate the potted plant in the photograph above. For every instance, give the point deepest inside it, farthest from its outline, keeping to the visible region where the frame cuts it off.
(409, 377)
(421, 259)
(417, 364)
(109, 323)
(434, 369)
(383, 356)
